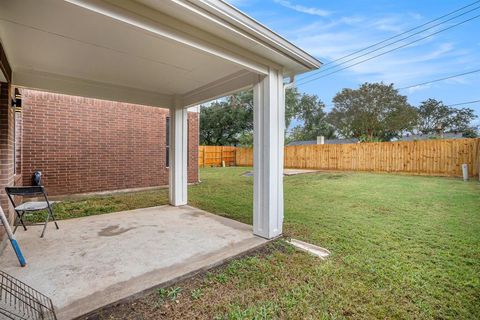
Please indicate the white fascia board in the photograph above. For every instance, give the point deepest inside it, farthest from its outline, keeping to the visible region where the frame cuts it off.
(166, 32)
(222, 87)
(226, 13)
(86, 88)
(195, 108)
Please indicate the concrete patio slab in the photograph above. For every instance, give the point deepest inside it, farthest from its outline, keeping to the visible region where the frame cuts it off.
(95, 261)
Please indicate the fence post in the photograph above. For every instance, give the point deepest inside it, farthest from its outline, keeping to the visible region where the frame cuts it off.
(204, 155)
(477, 158)
(221, 157)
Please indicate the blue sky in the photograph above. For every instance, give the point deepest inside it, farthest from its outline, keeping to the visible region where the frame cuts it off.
(332, 29)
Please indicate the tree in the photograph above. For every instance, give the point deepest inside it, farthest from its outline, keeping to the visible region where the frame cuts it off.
(434, 116)
(310, 112)
(471, 132)
(223, 122)
(292, 105)
(374, 111)
(229, 121)
(461, 119)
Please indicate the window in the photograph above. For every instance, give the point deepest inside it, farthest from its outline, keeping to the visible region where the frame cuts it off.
(167, 142)
(17, 132)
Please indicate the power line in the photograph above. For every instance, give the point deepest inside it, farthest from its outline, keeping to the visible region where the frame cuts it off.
(405, 32)
(398, 35)
(391, 50)
(463, 103)
(450, 105)
(441, 79)
(392, 43)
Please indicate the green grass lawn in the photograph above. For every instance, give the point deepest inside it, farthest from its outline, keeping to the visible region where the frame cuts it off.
(402, 247)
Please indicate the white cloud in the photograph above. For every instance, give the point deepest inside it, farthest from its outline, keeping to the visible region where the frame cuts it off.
(322, 26)
(389, 24)
(426, 59)
(304, 9)
(418, 88)
(406, 67)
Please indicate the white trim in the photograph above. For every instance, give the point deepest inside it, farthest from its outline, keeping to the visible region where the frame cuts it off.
(222, 87)
(194, 108)
(86, 88)
(240, 22)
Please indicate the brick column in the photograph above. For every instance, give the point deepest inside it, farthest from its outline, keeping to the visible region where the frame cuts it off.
(6, 151)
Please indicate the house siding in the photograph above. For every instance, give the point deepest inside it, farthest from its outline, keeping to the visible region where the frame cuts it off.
(88, 145)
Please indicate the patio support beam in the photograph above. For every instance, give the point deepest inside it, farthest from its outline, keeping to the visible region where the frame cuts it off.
(5, 69)
(87, 88)
(222, 87)
(269, 126)
(178, 154)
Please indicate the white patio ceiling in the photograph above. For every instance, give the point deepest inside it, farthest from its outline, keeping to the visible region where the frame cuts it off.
(147, 52)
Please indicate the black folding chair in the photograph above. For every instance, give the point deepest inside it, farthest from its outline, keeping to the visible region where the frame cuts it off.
(31, 206)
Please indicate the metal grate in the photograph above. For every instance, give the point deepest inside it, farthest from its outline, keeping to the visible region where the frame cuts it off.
(19, 301)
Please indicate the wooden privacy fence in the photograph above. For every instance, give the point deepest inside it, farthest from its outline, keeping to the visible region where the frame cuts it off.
(213, 156)
(244, 157)
(426, 157)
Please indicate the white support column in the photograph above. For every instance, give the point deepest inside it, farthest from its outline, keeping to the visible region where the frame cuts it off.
(269, 124)
(178, 155)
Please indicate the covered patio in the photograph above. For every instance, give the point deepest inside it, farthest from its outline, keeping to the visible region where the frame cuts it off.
(171, 54)
(95, 261)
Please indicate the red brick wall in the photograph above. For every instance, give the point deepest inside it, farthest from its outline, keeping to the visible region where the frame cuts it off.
(6, 151)
(193, 140)
(87, 145)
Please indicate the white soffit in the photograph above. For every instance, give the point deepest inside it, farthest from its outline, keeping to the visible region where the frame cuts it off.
(147, 51)
(227, 22)
(61, 40)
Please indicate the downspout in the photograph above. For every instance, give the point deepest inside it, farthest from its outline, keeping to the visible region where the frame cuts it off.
(290, 83)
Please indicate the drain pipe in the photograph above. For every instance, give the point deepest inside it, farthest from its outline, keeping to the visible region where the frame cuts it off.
(290, 83)
(465, 171)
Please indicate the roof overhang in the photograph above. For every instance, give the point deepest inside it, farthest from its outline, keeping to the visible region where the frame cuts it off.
(147, 51)
(227, 22)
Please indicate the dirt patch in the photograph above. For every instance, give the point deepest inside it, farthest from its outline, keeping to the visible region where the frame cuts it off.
(248, 174)
(114, 230)
(335, 176)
